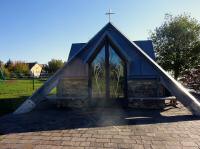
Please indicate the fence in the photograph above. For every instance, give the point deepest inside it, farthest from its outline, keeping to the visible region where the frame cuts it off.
(14, 91)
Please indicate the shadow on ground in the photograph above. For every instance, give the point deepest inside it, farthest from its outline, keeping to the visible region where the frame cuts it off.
(62, 119)
(8, 105)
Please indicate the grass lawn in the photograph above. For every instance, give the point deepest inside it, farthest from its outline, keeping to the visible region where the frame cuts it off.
(14, 92)
(18, 88)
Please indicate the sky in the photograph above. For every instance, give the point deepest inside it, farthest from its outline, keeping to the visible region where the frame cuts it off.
(40, 30)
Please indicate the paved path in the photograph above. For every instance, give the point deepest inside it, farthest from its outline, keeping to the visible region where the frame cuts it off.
(172, 128)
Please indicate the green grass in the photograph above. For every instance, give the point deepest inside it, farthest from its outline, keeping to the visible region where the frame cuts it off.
(17, 88)
(14, 92)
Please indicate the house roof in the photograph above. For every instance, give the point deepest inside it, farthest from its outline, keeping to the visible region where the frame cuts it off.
(30, 65)
(74, 49)
(145, 45)
(42, 65)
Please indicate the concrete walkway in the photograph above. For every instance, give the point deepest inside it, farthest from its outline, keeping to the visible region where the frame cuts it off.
(172, 128)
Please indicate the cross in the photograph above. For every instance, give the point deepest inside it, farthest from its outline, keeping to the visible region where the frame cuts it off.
(109, 14)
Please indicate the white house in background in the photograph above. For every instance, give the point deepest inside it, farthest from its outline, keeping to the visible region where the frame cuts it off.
(35, 69)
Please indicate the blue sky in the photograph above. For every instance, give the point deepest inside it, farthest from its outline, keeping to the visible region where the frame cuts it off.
(39, 30)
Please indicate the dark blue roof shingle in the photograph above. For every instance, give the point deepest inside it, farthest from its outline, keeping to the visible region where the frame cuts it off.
(145, 45)
(75, 48)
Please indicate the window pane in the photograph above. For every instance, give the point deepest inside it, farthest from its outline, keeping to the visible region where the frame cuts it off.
(98, 75)
(116, 75)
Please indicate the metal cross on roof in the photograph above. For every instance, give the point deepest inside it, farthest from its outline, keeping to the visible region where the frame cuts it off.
(109, 14)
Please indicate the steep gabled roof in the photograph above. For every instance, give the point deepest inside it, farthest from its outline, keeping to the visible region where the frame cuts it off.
(145, 45)
(91, 42)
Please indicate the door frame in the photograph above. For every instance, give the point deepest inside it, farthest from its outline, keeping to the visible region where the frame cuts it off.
(106, 42)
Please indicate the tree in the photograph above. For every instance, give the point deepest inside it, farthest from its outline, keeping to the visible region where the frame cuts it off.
(1, 71)
(9, 65)
(21, 68)
(1, 64)
(177, 43)
(54, 65)
(4, 72)
(16, 68)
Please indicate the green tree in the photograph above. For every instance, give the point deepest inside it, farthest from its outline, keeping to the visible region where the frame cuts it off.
(21, 68)
(177, 43)
(54, 65)
(5, 73)
(1, 71)
(9, 65)
(1, 64)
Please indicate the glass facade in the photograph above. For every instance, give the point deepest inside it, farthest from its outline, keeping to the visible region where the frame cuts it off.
(102, 64)
(98, 75)
(116, 74)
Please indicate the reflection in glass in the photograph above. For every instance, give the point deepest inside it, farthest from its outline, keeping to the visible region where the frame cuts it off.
(98, 75)
(116, 75)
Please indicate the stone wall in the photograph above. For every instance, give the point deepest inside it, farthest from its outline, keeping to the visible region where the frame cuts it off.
(141, 93)
(142, 88)
(72, 91)
(73, 87)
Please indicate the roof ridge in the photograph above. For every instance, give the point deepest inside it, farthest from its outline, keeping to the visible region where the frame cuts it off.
(88, 42)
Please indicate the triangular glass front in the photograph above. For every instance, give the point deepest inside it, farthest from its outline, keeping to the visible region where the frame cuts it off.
(98, 75)
(107, 75)
(116, 77)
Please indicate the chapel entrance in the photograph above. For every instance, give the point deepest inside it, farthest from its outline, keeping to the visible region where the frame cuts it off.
(107, 76)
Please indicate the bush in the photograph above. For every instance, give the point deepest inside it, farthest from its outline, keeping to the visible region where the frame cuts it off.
(21, 68)
(4, 73)
(54, 65)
